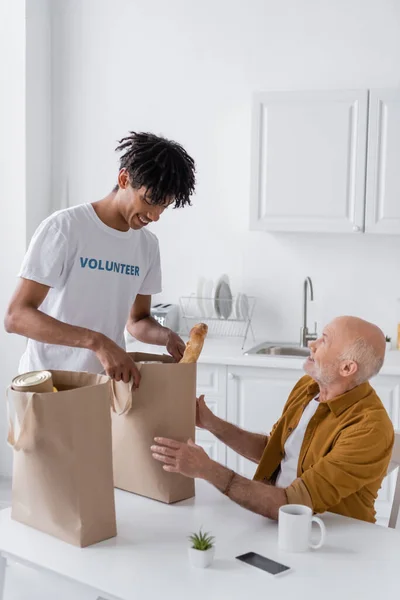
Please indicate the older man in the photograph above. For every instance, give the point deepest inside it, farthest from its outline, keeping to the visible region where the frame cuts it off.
(329, 450)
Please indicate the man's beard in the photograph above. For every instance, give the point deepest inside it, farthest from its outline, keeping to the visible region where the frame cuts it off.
(322, 375)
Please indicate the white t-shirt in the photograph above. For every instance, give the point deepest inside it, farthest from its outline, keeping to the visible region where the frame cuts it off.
(95, 273)
(288, 472)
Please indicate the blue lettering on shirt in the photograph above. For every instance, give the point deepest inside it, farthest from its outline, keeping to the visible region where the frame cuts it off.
(110, 265)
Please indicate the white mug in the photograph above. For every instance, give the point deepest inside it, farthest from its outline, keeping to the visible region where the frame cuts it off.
(295, 528)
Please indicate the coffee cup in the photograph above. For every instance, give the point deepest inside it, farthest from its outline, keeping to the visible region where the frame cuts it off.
(294, 528)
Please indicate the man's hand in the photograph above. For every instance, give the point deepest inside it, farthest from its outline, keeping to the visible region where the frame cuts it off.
(116, 362)
(204, 416)
(192, 461)
(188, 459)
(175, 345)
(142, 326)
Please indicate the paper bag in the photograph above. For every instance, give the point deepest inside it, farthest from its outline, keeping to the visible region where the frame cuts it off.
(62, 476)
(164, 406)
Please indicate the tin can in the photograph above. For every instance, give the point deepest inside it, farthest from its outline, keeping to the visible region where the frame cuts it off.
(35, 381)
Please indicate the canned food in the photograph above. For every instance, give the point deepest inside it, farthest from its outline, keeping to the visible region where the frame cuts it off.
(35, 381)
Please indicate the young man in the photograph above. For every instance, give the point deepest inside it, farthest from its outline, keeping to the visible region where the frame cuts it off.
(90, 270)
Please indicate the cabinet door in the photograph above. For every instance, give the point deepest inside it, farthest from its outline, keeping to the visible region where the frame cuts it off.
(211, 381)
(383, 172)
(388, 390)
(308, 161)
(255, 401)
(210, 446)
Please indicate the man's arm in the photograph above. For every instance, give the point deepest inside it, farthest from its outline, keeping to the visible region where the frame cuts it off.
(360, 456)
(247, 444)
(192, 461)
(256, 496)
(144, 328)
(24, 318)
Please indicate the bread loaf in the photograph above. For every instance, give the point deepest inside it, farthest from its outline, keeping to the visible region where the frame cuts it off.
(195, 344)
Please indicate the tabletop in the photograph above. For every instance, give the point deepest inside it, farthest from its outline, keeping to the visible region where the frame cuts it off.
(149, 557)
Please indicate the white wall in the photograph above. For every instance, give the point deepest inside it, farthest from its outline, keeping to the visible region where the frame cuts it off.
(12, 188)
(25, 158)
(187, 70)
(38, 113)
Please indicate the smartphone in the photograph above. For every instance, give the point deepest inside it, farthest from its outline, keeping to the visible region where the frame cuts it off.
(264, 563)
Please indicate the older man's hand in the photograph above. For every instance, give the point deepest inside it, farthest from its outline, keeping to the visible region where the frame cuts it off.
(178, 457)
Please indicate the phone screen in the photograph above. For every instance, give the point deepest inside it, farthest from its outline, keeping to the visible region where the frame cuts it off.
(261, 562)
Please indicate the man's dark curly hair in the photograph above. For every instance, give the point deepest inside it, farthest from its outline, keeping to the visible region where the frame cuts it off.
(162, 166)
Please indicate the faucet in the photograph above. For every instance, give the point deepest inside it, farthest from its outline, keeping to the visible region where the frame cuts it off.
(305, 336)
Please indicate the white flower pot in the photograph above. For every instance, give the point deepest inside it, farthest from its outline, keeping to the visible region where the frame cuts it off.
(388, 346)
(201, 558)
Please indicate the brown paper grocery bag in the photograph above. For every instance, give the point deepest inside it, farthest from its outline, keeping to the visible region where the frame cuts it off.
(164, 405)
(62, 475)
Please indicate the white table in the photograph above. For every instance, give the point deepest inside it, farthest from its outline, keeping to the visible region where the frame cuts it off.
(148, 559)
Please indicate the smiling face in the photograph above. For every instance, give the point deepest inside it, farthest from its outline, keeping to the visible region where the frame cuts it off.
(135, 205)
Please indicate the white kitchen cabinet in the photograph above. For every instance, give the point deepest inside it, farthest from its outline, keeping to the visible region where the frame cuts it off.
(383, 172)
(326, 161)
(211, 381)
(388, 389)
(308, 161)
(255, 400)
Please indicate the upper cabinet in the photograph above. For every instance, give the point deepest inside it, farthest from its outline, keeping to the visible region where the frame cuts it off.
(383, 163)
(325, 161)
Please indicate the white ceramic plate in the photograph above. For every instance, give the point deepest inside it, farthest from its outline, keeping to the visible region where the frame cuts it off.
(223, 298)
(200, 293)
(242, 307)
(238, 314)
(208, 297)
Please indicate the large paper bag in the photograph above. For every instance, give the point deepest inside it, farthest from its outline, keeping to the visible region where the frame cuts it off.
(62, 476)
(164, 406)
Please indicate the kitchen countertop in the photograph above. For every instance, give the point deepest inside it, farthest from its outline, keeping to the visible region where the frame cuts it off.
(228, 351)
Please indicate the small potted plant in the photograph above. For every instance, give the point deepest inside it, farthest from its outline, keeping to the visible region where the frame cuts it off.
(201, 551)
(388, 343)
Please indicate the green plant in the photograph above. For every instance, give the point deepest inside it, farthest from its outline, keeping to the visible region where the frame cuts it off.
(202, 541)
(388, 339)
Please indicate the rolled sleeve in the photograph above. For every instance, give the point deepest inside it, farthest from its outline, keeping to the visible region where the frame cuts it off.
(360, 456)
(297, 493)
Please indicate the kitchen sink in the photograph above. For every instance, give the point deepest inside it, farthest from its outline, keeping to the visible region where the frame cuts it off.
(278, 349)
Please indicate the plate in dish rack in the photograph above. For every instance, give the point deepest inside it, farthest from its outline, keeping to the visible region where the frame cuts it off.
(242, 307)
(208, 298)
(200, 293)
(223, 302)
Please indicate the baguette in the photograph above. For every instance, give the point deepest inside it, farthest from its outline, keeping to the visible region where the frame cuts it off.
(195, 344)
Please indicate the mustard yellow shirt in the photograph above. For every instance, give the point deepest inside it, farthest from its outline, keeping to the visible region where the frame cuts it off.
(345, 452)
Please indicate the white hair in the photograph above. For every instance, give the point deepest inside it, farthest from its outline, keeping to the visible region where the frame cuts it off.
(368, 360)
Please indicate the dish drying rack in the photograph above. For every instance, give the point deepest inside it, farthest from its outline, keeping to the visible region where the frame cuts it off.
(195, 309)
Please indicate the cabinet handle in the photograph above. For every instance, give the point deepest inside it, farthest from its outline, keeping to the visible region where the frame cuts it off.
(356, 228)
(231, 376)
